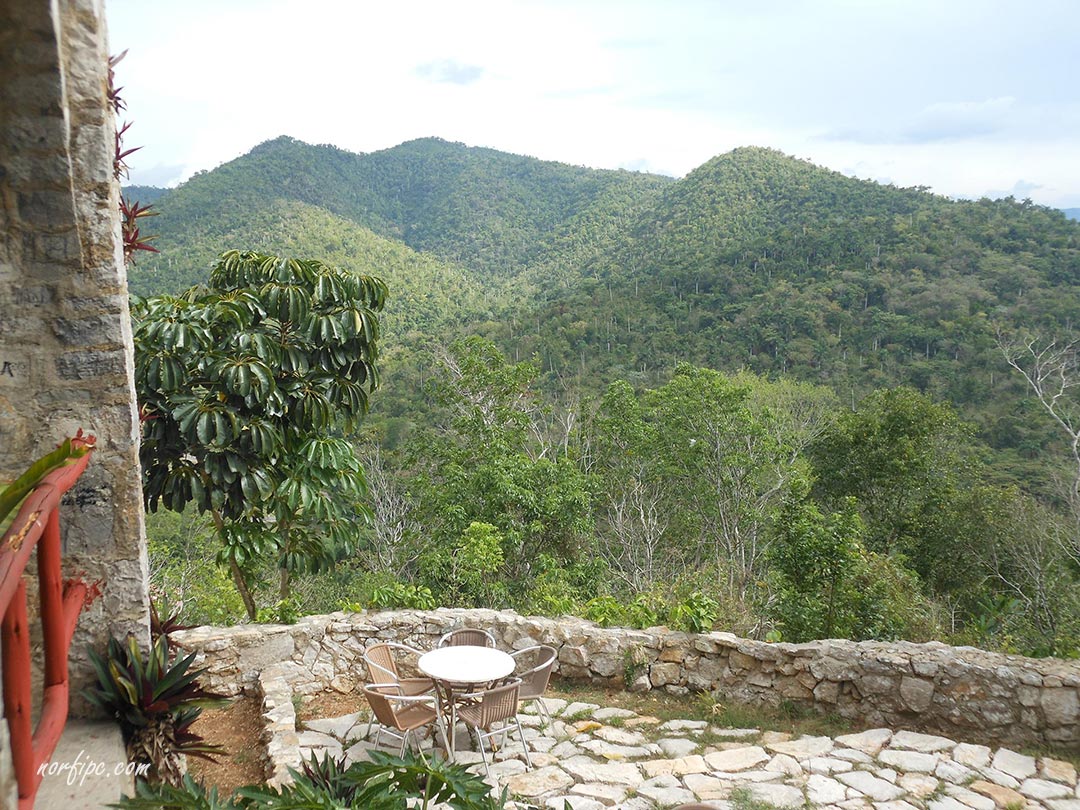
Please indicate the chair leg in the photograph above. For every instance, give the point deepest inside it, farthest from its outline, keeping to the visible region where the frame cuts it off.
(446, 741)
(524, 745)
(545, 715)
(483, 752)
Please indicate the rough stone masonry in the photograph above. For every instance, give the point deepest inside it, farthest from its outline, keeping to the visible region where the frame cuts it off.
(66, 358)
(965, 693)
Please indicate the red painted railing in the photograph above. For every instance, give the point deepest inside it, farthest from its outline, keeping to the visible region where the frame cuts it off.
(38, 524)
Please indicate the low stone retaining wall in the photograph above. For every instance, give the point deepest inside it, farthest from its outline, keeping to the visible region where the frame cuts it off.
(961, 692)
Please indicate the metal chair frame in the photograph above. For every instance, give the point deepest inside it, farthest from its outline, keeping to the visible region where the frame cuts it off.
(491, 706)
(534, 681)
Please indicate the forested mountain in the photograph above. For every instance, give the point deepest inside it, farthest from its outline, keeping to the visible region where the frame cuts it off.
(489, 211)
(1072, 213)
(766, 394)
(754, 260)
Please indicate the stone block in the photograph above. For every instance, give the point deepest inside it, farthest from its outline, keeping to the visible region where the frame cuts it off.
(576, 656)
(827, 692)
(676, 653)
(273, 649)
(661, 674)
(916, 693)
(738, 661)
(1061, 706)
(90, 365)
(877, 685)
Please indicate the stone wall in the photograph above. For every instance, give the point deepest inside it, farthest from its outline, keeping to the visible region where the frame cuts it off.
(66, 359)
(962, 692)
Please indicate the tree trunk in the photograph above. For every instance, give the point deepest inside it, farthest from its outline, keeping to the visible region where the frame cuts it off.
(283, 584)
(242, 587)
(237, 574)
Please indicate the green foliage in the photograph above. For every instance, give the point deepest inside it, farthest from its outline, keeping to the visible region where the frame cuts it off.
(400, 594)
(155, 700)
(645, 609)
(695, 614)
(554, 591)
(466, 573)
(243, 384)
(895, 454)
(284, 611)
(385, 783)
(184, 578)
(829, 586)
(605, 610)
(481, 464)
(819, 285)
(188, 795)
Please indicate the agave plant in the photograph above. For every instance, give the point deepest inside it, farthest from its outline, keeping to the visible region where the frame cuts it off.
(155, 701)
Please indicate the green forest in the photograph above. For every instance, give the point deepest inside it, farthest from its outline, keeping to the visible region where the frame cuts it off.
(765, 397)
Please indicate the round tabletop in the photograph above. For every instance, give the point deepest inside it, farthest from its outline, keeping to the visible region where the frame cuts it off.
(466, 664)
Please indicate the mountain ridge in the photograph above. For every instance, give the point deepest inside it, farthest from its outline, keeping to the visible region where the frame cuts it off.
(754, 260)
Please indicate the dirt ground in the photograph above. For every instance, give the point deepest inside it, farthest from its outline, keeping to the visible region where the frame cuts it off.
(238, 729)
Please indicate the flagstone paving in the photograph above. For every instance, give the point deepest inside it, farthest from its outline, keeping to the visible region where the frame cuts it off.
(597, 758)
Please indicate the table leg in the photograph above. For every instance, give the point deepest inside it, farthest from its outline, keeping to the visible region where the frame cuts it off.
(446, 698)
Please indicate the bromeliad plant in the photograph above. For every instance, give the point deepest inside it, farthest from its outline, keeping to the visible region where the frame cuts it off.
(130, 211)
(156, 701)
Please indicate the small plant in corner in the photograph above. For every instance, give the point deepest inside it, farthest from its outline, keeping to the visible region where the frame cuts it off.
(156, 701)
(634, 661)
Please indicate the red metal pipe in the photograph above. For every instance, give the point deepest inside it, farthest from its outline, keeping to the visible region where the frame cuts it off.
(16, 651)
(52, 603)
(38, 523)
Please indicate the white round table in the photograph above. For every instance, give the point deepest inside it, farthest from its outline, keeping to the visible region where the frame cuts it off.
(457, 670)
(465, 664)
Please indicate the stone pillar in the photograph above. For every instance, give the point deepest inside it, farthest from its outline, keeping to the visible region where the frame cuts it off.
(66, 358)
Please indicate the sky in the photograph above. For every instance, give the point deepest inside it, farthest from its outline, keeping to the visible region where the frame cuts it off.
(971, 98)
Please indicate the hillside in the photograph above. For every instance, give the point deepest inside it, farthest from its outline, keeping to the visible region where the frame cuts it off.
(489, 210)
(754, 260)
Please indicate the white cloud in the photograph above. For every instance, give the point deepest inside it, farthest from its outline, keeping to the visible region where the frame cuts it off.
(659, 85)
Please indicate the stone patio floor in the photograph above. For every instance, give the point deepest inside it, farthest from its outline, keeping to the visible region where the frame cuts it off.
(595, 758)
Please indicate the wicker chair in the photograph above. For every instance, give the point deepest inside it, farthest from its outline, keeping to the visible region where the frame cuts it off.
(382, 668)
(497, 705)
(534, 681)
(467, 637)
(399, 715)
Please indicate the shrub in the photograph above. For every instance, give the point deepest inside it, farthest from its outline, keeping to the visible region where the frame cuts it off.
(696, 614)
